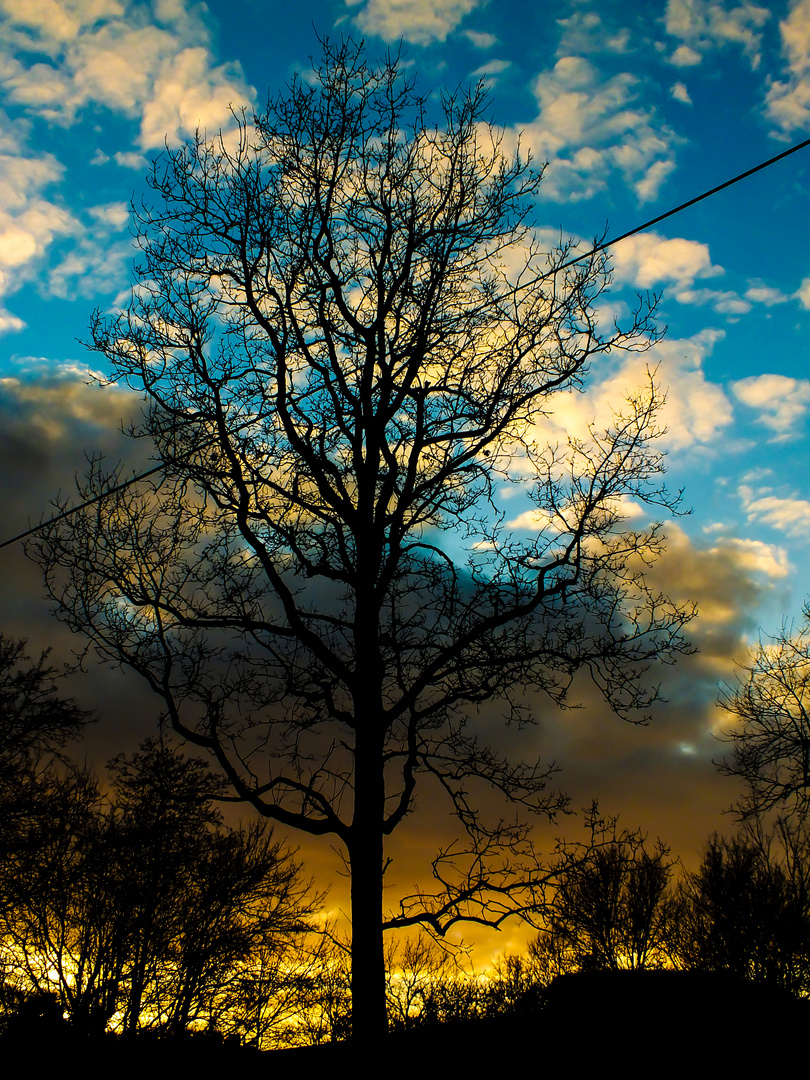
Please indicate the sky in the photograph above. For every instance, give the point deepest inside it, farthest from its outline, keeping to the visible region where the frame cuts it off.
(635, 107)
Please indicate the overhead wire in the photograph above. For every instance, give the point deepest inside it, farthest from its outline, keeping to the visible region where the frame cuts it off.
(602, 246)
(677, 209)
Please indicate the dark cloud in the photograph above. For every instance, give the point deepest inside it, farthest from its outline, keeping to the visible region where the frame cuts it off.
(48, 426)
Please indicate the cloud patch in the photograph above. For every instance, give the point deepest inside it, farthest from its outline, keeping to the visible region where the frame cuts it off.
(760, 293)
(785, 513)
(585, 31)
(780, 401)
(647, 260)
(149, 62)
(787, 102)
(696, 412)
(29, 221)
(803, 294)
(490, 71)
(703, 25)
(421, 22)
(589, 127)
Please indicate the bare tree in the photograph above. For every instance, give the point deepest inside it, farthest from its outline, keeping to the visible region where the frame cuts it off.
(34, 719)
(145, 908)
(348, 337)
(610, 910)
(771, 742)
(745, 910)
(415, 970)
(35, 724)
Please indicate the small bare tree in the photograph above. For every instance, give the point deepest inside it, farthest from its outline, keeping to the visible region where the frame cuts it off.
(143, 906)
(746, 911)
(34, 720)
(610, 910)
(348, 339)
(771, 741)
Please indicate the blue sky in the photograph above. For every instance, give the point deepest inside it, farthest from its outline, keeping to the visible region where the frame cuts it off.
(635, 107)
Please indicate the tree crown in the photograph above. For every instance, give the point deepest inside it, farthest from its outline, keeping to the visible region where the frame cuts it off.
(348, 337)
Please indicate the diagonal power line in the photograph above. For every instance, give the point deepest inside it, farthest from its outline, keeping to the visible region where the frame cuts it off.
(571, 262)
(683, 206)
(83, 506)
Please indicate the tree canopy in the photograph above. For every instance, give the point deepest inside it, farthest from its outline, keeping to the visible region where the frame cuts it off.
(771, 737)
(34, 719)
(348, 336)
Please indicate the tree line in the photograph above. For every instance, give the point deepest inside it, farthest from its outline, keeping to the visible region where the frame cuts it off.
(617, 905)
(140, 911)
(132, 907)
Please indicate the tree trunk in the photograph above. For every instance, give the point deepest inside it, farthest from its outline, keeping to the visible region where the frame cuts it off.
(369, 1020)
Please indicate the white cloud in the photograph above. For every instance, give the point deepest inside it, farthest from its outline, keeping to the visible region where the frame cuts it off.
(189, 94)
(10, 324)
(97, 262)
(29, 221)
(789, 515)
(795, 31)
(803, 294)
(540, 520)
(760, 293)
(696, 411)
(780, 400)
(418, 21)
(702, 25)
(788, 101)
(114, 214)
(58, 20)
(754, 476)
(492, 67)
(684, 56)
(647, 259)
(532, 521)
(130, 159)
(680, 93)
(586, 32)
(725, 302)
(479, 39)
(30, 224)
(94, 265)
(147, 62)
(588, 127)
(755, 555)
(648, 186)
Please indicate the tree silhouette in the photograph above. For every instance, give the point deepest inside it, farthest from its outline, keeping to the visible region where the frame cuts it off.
(771, 742)
(60, 923)
(35, 724)
(34, 719)
(144, 908)
(746, 912)
(348, 337)
(610, 910)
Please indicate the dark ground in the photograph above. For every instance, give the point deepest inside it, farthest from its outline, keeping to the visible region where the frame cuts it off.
(651, 1023)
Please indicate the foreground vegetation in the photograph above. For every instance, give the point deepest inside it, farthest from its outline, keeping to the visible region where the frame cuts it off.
(137, 910)
(130, 908)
